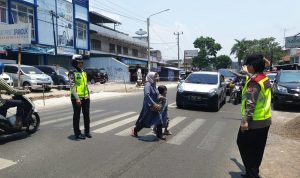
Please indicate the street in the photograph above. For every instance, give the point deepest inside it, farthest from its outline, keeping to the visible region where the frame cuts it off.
(202, 144)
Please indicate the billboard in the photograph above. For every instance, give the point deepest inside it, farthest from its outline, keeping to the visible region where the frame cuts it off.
(292, 42)
(190, 53)
(15, 34)
(65, 32)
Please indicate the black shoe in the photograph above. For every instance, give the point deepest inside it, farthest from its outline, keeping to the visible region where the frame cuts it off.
(161, 137)
(88, 135)
(81, 136)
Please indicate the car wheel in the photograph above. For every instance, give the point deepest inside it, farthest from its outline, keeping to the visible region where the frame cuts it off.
(276, 106)
(179, 105)
(60, 87)
(102, 81)
(217, 106)
(27, 86)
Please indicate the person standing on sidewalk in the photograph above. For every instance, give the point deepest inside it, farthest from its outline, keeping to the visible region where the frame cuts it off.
(149, 115)
(256, 116)
(80, 97)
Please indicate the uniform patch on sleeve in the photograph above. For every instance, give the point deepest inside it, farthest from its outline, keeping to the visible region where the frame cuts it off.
(250, 87)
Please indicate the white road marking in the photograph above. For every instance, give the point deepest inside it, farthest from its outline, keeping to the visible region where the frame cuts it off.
(66, 118)
(93, 124)
(210, 140)
(172, 105)
(4, 163)
(105, 114)
(116, 125)
(179, 138)
(173, 122)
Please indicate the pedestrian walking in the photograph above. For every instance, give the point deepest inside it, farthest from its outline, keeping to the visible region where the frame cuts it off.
(256, 116)
(163, 112)
(80, 97)
(149, 115)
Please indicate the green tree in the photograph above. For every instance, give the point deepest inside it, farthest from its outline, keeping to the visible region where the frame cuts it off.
(267, 46)
(223, 61)
(208, 49)
(240, 49)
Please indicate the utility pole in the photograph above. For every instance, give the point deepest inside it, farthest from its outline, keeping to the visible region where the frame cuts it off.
(54, 37)
(178, 34)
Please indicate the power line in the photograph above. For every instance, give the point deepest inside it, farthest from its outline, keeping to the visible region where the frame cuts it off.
(123, 8)
(132, 18)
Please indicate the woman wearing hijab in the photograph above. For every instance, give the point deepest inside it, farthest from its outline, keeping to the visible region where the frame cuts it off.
(149, 115)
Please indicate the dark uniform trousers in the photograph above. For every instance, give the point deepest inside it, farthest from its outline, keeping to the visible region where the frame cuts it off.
(85, 106)
(251, 145)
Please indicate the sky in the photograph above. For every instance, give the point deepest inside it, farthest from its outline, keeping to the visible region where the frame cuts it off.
(223, 20)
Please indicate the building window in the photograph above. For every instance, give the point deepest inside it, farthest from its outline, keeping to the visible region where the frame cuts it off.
(81, 35)
(112, 48)
(23, 14)
(119, 49)
(96, 44)
(125, 50)
(3, 11)
(135, 52)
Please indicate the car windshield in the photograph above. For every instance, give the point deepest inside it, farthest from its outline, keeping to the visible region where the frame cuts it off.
(226, 73)
(271, 76)
(290, 77)
(202, 79)
(63, 71)
(31, 70)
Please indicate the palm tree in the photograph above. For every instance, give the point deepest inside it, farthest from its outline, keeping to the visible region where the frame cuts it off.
(240, 49)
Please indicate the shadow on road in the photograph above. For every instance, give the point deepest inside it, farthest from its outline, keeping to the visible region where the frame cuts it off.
(148, 138)
(241, 167)
(73, 138)
(13, 137)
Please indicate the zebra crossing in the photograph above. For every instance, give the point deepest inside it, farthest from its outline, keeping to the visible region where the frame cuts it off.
(5, 163)
(118, 123)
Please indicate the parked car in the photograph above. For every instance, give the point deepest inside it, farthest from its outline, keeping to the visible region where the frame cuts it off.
(31, 77)
(7, 78)
(286, 88)
(59, 77)
(202, 89)
(95, 75)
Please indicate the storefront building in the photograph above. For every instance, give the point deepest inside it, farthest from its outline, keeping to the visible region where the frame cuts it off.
(66, 20)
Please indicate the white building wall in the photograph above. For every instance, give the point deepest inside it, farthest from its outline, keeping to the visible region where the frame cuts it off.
(116, 70)
(45, 27)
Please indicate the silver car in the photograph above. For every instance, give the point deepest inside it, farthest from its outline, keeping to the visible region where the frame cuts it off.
(31, 77)
(7, 78)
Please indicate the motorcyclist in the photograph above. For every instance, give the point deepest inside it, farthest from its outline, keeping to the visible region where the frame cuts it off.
(5, 104)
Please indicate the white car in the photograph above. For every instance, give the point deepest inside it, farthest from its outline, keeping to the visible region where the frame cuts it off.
(202, 89)
(31, 77)
(7, 78)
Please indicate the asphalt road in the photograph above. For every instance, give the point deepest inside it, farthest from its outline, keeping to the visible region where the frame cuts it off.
(203, 144)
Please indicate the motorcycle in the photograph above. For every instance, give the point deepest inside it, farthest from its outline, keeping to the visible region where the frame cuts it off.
(30, 121)
(236, 95)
